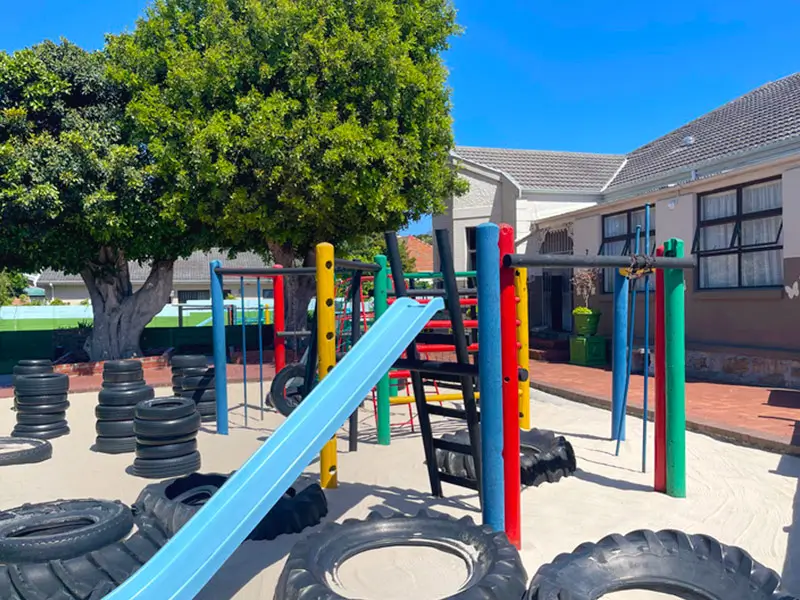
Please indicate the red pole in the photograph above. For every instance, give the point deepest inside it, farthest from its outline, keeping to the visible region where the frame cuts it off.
(279, 322)
(508, 333)
(661, 384)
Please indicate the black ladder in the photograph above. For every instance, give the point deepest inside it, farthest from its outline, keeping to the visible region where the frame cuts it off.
(462, 371)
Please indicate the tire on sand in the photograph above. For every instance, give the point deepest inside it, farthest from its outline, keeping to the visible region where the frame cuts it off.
(670, 562)
(494, 566)
(172, 503)
(22, 451)
(284, 392)
(544, 457)
(91, 575)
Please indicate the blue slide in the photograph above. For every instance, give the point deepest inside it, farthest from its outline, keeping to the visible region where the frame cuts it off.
(182, 567)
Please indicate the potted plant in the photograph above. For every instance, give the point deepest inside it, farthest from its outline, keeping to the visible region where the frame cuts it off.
(584, 282)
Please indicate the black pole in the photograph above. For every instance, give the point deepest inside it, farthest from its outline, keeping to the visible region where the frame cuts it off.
(355, 334)
(311, 363)
(638, 261)
(395, 262)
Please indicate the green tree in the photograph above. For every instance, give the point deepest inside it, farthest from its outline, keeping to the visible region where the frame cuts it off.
(367, 247)
(425, 237)
(77, 195)
(291, 123)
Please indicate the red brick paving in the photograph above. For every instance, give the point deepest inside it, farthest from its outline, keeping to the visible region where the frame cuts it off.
(763, 417)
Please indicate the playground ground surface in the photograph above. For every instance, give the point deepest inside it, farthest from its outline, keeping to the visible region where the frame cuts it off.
(739, 495)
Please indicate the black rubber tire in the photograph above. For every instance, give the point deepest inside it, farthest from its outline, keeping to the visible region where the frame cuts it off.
(670, 562)
(34, 401)
(49, 434)
(192, 371)
(175, 501)
(123, 377)
(103, 412)
(168, 428)
(114, 445)
(167, 467)
(544, 457)
(147, 441)
(125, 385)
(164, 409)
(34, 418)
(123, 397)
(199, 382)
(494, 565)
(114, 429)
(78, 527)
(165, 450)
(285, 401)
(207, 409)
(41, 384)
(21, 451)
(57, 407)
(90, 576)
(188, 360)
(125, 365)
(30, 369)
(35, 362)
(40, 428)
(206, 395)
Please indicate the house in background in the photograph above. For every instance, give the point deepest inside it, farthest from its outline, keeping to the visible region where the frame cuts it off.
(190, 280)
(727, 183)
(420, 251)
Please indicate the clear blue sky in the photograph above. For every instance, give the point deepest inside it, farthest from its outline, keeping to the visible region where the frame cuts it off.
(548, 74)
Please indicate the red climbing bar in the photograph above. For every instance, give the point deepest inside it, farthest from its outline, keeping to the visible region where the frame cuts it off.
(660, 484)
(444, 348)
(462, 301)
(508, 334)
(279, 322)
(468, 324)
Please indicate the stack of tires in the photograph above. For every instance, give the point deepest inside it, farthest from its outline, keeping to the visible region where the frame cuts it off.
(166, 438)
(31, 367)
(193, 378)
(40, 400)
(123, 388)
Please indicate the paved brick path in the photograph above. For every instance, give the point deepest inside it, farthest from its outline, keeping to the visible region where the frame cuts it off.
(762, 417)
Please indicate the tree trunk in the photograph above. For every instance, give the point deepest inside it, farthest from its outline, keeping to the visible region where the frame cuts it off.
(299, 289)
(120, 315)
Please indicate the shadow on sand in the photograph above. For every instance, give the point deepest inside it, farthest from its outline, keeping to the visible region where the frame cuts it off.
(789, 466)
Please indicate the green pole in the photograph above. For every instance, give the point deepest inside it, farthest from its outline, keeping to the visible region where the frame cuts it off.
(381, 300)
(675, 355)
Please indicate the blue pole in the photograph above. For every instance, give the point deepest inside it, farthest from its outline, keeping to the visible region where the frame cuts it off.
(619, 357)
(244, 350)
(220, 361)
(491, 378)
(260, 351)
(631, 330)
(647, 250)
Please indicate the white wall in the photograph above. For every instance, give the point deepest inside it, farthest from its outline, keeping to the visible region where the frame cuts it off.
(533, 207)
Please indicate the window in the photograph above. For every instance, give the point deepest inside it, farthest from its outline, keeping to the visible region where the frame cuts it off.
(268, 294)
(472, 248)
(739, 237)
(187, 295)
(619, 239)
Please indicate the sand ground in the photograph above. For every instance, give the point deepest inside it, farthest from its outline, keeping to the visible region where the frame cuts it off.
(741, 496)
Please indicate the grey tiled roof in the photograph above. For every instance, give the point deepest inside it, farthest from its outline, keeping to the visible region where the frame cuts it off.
(540, 169)
(766, 115)
(188, 270)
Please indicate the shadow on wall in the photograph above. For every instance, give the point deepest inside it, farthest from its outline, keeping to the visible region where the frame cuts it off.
(789, 466)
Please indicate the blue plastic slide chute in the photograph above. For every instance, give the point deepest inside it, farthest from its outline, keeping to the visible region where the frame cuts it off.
(182, 567)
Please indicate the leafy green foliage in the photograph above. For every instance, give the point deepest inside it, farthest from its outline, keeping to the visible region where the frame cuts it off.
(12, 285)
(293, 122)
(366, 248)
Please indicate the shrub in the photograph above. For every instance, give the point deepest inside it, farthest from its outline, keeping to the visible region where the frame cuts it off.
(57, 302)
(584, 282)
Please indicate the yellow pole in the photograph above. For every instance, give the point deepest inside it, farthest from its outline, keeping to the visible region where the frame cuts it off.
(523, 353)
(326, 347)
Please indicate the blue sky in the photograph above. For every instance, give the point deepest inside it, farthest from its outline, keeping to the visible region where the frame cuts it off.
(547, 74)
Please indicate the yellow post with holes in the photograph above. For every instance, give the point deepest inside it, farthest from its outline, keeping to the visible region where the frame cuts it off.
(523, 343)
(326, 345)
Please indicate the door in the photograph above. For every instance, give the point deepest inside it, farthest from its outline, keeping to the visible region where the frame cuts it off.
(556, 302)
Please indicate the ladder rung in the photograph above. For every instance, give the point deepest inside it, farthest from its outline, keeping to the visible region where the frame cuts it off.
(457, 447)
(456, 480)
(446, 411)
(435, 367)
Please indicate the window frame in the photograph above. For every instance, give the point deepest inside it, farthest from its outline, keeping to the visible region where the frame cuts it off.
(627, 249)
(735, 248)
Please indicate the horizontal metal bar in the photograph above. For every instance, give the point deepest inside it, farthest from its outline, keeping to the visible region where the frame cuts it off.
(442, 324)
(446, 411)
(640, 261)
(437, 275)
(456, 447)
(265, 272)
(461, 301)
(436, 367)
(460, 481)
(290, 334)
(435, 338)
(356, 265)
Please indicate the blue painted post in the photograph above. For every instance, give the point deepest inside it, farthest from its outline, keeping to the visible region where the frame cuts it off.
(220, 360)
(244, 350)
(619, 359)
(491, 379)
(260, 351)
(646, 338)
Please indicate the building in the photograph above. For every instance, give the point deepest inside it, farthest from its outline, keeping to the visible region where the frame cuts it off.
(727, 183)
(190, 280)
(420, 251)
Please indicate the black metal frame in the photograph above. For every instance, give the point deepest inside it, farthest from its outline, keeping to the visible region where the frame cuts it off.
(636, 261)
(628, 237)
(735, 246)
